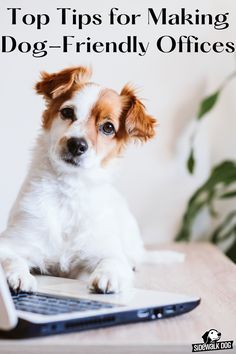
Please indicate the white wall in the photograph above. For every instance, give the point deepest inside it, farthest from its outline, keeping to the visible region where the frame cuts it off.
(153, 177)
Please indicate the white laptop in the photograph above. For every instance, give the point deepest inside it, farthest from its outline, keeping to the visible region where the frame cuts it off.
(65, 305)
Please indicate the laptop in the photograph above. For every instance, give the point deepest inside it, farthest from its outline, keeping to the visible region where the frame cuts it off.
(66, 305)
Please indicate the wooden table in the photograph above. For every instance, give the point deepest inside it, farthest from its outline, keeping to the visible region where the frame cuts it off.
(206, 272)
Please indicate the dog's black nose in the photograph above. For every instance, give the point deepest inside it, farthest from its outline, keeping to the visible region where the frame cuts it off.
(77, 146)
(219, 334)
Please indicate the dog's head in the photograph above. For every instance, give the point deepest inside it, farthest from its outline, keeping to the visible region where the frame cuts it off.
(211, 336)
(87, 124)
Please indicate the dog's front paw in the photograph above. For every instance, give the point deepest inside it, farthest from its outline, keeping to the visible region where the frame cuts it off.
(104, 283)
(109, 278)
(22, 282)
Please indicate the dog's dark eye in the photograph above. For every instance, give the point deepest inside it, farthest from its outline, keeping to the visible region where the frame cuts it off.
(67, 113)
(107, 128)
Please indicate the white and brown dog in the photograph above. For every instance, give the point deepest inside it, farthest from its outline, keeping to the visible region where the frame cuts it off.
(68, 216)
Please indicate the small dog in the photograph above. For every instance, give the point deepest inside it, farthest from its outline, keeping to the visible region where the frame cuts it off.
(67, 216)
(211, 336)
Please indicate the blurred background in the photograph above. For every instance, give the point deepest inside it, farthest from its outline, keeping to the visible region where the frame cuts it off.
(153, 177)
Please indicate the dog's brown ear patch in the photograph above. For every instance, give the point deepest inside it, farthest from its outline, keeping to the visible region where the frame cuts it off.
(138, 123)
(54, 85)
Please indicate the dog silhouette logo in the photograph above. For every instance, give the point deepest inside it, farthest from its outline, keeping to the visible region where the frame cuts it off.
(211, 336)
(211, 341)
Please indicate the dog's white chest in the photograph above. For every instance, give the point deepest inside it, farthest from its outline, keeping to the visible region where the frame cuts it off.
(79, 210)
(73, 211)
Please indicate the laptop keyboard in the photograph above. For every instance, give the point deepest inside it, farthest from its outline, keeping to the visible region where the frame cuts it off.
(54, 305)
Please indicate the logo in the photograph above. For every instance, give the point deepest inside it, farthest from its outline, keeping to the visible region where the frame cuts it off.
(211, 341)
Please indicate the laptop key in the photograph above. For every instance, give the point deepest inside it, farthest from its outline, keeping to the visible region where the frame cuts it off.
(52, 305)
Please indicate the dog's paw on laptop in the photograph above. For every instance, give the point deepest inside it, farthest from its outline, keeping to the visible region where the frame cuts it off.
(110, 278)
(22, 282)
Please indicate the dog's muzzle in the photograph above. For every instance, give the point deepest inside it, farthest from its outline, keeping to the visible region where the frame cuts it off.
(75, 148)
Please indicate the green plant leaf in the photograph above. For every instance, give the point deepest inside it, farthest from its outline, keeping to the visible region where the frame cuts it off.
(207, 104)
(221, 176)
(228, 195)
(211, 198)
(225, 229)
(191, 162)
(231, 252)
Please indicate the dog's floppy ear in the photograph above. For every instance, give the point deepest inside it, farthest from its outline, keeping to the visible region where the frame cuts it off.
(54, 85)
(205, 336)
(138, 123)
